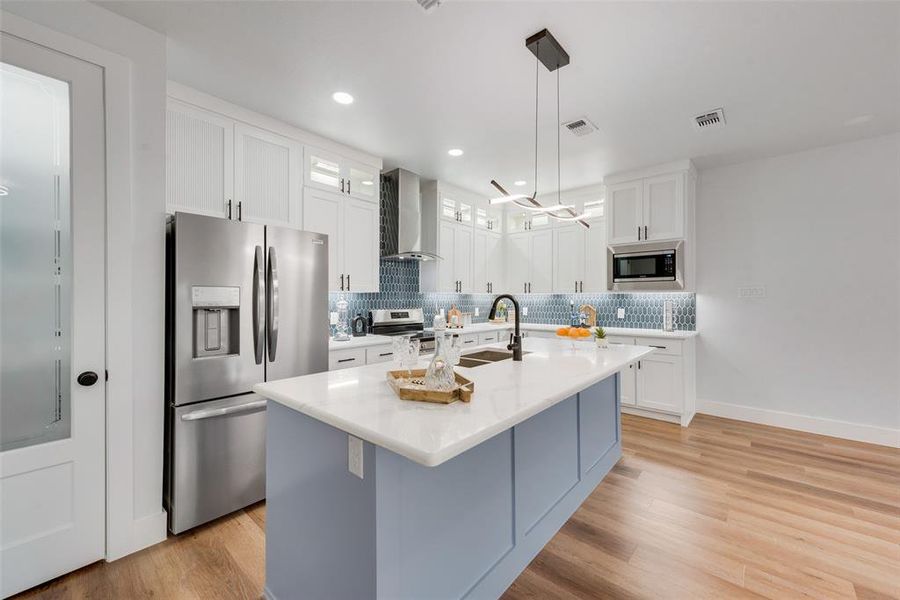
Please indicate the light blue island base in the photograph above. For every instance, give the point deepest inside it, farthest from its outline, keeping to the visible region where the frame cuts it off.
(463, 529)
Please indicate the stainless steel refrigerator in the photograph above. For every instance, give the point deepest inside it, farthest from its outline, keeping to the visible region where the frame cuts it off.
(245, 303)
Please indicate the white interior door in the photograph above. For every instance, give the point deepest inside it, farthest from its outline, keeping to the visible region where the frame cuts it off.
(52, 280)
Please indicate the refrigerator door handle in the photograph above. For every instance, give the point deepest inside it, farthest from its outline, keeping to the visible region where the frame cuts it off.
(259, 292)
(209, 413)
(272, 304)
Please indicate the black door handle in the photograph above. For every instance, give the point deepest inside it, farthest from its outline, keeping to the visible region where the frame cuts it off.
(87, 379)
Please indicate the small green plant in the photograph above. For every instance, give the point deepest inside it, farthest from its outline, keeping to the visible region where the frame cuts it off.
(599, 333)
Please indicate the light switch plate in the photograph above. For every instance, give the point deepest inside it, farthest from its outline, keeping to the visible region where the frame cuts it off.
(620, 313)
(332, 318)
(477, 312)
(355, 455)
(524, 311)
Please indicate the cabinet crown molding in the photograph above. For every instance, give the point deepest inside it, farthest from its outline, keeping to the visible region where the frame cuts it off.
(202, 100)
(662, 169)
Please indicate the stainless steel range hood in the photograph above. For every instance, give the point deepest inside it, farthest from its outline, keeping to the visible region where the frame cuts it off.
(401, 218)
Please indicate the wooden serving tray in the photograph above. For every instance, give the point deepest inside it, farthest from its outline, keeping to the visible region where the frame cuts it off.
(396, 379)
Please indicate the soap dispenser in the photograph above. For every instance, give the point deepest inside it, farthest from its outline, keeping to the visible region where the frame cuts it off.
(359, 325)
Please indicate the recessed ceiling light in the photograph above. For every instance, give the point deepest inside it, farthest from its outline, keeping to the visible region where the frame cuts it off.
(455, 152)
(342, 98)
(367, 182)
(858, 120)
(520, 182)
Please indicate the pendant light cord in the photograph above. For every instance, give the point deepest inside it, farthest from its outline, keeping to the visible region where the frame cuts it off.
(536, 76)
(558, 170)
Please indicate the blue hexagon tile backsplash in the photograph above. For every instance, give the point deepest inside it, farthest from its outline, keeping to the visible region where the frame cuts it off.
(643, 310)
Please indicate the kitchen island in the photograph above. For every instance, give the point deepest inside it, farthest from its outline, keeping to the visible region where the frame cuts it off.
(453, 500)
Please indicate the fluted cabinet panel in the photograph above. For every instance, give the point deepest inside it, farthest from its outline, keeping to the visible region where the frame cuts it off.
(267, 177)
(199, 160)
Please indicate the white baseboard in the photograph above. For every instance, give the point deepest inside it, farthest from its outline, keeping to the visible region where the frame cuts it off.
(651, 414)
(883, 436)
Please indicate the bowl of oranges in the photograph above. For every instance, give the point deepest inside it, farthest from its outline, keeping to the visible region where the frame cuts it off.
(575, 334)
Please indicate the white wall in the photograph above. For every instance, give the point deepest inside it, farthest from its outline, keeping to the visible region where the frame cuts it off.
(821, 231)
(141, 364)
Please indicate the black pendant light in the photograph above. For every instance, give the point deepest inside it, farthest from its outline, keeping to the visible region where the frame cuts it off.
(553, 56)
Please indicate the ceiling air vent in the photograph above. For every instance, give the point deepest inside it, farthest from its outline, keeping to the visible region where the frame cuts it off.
(710, 120)
(580, 127)
(427, 5)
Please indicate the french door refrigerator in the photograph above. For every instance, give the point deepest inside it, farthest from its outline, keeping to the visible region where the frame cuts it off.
(245, 303)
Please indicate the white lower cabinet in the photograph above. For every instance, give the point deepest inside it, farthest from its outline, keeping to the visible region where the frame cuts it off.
(489, 338)
(379, 354)
(661, 385)
(340, 358)
(345, 359)
(468, 340)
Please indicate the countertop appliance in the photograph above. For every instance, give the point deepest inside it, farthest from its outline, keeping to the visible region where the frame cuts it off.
(401, 218)
(402, 321)
(647, 267)
(245, 303)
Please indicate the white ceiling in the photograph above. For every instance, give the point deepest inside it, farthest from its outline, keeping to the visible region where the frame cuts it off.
(789, 75)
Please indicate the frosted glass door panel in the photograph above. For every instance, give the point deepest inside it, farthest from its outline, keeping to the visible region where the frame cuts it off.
(35, 259)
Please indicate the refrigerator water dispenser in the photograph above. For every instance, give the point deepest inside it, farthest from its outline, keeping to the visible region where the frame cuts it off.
(216, 320)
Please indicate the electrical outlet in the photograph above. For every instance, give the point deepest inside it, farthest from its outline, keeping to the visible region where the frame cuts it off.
(355, 455)
(524, 311)
(752, 291)
(620, 313)
(333, 318)
(477, 312)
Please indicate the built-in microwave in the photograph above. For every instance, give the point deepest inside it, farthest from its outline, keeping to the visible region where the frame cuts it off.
(656, 266)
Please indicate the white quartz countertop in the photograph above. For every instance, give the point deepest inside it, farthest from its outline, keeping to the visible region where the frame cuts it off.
(625, 331)
(359, 342)
(360, 402)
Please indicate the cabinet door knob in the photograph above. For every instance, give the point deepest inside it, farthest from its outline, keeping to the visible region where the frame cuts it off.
(228, 204)
(639, 232)
(342, 185)
(348, 282)
(645, 233)
(240, 210)
(348, 186)
(87, 378)
(342, 282)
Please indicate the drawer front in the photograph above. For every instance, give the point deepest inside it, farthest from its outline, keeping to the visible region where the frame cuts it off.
(662, 345)
(379, 354)
(489, 338)
(618, 339)
(344, 359)
(468, 340)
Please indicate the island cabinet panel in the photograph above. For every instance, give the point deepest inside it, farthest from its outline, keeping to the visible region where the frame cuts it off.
(546, 455)
(320, 518)
(445, 525)
(465, 528)
(599, 433)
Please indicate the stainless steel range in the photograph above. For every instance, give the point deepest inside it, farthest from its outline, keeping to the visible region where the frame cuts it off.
(402, 321)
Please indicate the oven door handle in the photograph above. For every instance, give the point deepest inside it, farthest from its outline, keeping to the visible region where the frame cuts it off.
(209, 413)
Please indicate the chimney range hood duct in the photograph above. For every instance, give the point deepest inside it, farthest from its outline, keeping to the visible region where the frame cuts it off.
(401, 218)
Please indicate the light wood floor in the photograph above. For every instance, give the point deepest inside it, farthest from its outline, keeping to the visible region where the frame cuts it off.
(722, 509)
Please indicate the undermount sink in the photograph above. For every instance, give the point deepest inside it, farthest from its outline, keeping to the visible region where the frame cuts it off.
(484, 357)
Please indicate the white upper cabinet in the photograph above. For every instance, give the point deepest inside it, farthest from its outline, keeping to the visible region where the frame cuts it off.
(488, 217)
(199, 161)
(569, 256)
(650, 205)
(663, 210)
(352, 227)
(625, 211)
(361, 245)
(323, 213)
(266, 177)
(529, 262)
(487, 262)
(595, 259)
(363, 181)
(462, 258)
(331, 172)
(457, 208)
